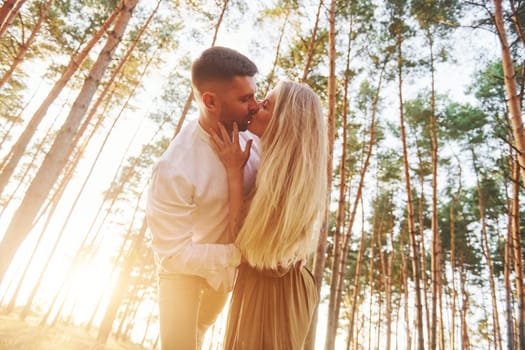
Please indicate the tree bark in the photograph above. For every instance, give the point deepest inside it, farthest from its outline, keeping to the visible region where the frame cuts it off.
(5, 9)
(12, 159)
(422, 245)
(372, 258)
(331, 328)
(189, 99)
(388, 291)
(120, 289)
(486, 254)
(8, 12)
(436, 260)
(340, 255)
(355, 291)
(516, 21)
(517, 252)
(507, 261)
(465, 338)
(54, 203)
(416, 268)
(452, 217)
(320, 255)
(511, 87)
(311, 47)
(406, 298)
(269, 80)
(56, 159)
(25, 45)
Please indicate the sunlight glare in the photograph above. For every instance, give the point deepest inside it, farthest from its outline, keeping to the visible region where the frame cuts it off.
(91, 281)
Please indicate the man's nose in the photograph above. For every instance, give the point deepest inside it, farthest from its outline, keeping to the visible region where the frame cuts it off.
(255, 106)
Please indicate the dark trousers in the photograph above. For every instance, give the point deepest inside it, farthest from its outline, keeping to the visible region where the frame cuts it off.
(188, 307)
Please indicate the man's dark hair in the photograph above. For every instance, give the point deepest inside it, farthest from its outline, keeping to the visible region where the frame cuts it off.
(221, 63)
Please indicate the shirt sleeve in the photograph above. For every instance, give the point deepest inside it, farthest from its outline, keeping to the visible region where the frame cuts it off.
(169, 215)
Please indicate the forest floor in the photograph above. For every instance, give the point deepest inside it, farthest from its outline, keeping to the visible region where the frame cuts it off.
(19, 335)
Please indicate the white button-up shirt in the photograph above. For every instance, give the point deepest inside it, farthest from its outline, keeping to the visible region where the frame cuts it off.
(187, 208)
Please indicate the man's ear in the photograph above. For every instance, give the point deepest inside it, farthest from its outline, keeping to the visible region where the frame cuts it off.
(209, 99)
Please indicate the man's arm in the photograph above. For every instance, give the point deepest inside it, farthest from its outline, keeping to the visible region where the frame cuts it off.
(169, 214)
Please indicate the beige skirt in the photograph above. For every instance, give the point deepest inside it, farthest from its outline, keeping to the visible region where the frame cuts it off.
(270, 309)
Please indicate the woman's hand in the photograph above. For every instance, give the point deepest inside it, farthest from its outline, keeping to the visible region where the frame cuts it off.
(234, 158)
(229, 150)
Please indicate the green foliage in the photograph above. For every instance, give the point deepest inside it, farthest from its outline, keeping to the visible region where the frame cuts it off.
(397, 11)
(71, 22)
(489, 87)
(292, 63)
(467, 251)
(465, 122)
(436, 14)
(390, 168)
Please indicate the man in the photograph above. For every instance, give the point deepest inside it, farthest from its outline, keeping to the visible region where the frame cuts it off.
(187, 206)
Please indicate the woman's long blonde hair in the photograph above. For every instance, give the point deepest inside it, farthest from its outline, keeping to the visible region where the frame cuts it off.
(290, 194)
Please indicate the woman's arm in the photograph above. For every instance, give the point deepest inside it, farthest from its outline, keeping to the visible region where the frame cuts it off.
(234, 160)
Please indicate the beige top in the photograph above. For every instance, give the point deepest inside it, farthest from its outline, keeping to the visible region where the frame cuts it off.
(187, 208)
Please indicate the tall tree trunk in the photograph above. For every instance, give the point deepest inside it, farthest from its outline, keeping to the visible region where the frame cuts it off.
(114, 74)
(406, 298)
(12, 302)
(331, 329)
(336, 282)
(507, 261)
(27, 307)
(6, 8)
(436, 260)
(269, 80)
(25, 45)
(189, 99)
(120, 289)
(12, 159)
(513, 98)
(357, 285)
(85, 244)
(13, 120)
(465, 338)
(320, 255)
(452, 217)
(515, 20)
(311, 47)
(508, 251)
(371, 269)
(36, 153)
(416, 268)
(63, 184)
(383, 279)
(73, 164)
(54, 203)
(341, 253)
(486, 253)
(422, 228)
(219, 21)
(121, 256)
(388, 292)
(56, 159)
(8, 12)
(119, 190)
(517, 252)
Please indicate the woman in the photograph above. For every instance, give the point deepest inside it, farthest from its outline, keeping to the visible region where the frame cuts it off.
(274, 296)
